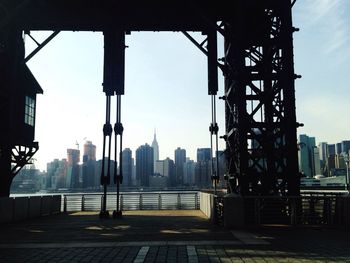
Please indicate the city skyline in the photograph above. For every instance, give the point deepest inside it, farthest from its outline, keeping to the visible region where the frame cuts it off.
(88, 143)
(166, 86)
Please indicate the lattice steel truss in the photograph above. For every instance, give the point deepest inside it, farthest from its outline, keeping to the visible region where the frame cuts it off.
(260, 100)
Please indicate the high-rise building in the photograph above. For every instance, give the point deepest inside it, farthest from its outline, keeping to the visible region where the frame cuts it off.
(144, 164)
(323, 150)
(99, 163)
(169, 172)
(203, 167)
(338, 148)
(90, 151)
(331, 149)
(189, 172)
(309, 160)
(345, 147)
(89, 168)
(203, 154)
(159, 169)
(73, 173)
(202, 174)
(316, 165)
(57, 174)
(180, 159)
(155, 147)
(127, 167)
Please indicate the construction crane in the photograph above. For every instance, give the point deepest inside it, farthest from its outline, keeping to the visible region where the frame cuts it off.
(77, 143)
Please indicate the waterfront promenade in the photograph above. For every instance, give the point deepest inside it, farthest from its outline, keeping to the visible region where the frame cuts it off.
(165, 236)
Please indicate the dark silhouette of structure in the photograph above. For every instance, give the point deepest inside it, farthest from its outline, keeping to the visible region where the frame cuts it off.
(261, 125)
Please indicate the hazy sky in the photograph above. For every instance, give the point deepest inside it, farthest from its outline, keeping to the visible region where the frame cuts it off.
(166, 86)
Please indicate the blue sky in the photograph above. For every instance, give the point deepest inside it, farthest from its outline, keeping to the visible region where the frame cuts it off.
(166, 86)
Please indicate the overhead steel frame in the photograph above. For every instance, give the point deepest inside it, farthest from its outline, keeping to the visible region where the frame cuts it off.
(259, 82)
(260, 99)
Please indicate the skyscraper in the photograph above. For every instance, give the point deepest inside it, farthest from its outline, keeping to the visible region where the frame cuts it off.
(89, 165)
(180, 159)
(189, 172)
(144, 164)
(127, 167)
(169, 171)
(345, 147)
(203, 168)
(73, 173)
(203, 154)
(155, 147)
(309, 157)
(89, 151)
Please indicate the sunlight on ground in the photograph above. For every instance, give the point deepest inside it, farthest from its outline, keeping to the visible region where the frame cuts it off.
(174, 213)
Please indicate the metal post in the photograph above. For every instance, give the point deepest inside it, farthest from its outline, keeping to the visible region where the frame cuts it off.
(159, 201)
(65, 204)
(82, 203)
(178, 201)
(347, 174)
(140, 202)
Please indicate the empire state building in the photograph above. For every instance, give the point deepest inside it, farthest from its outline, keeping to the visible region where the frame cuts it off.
(155, 147)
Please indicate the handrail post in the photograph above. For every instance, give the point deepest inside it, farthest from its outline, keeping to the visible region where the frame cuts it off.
(83, 203)
(178, 201)
(196, 200)
(121, 202)
(140, 201)
(159, 201)
(64, 203)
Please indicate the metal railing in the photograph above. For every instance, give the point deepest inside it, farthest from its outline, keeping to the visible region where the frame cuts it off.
(132, 201)
(301, 210)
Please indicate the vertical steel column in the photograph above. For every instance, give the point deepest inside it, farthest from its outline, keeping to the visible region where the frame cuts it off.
(260, 99)
(212, 91)
(114, 78)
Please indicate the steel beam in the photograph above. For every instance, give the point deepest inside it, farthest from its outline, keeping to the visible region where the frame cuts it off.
(260, 99)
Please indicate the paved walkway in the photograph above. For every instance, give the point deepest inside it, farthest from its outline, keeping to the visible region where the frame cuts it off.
(165, 236)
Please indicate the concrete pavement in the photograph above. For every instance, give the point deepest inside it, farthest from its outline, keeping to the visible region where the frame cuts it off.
(165, 236)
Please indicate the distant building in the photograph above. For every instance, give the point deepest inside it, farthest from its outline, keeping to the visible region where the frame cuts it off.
(316, 165)
(323, 150)
(340, 161)
(189, 172)
(127, 164)
(203, 168)
(144, 164)
(169, 172)
(203, 174)
(56, 176)
(158, 181)
(155, 147)
(159, 168)
(338, 148)
(73, 173)
(89, 168)
(28, 180)
(111, 171)
(308, 156)
(345, 147)
(331, 149)
(203, 154)
(180, 160)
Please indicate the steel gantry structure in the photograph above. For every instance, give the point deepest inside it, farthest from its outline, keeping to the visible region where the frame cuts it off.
(258, 68)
